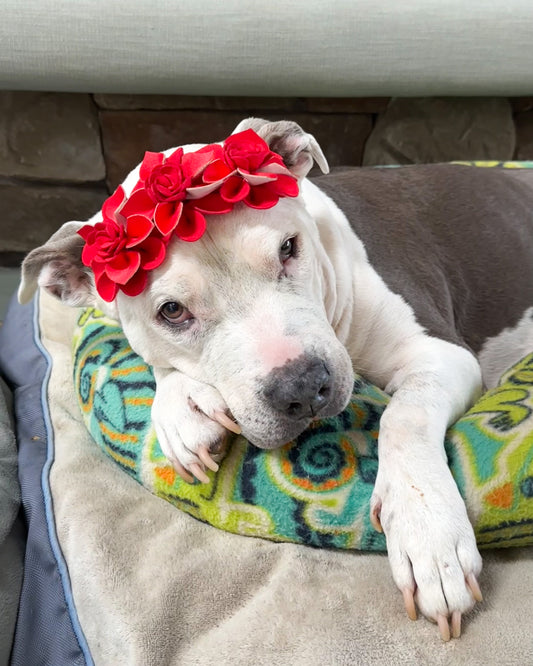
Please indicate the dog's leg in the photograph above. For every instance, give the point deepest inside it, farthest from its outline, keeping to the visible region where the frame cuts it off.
(191, 423)
(430, 541)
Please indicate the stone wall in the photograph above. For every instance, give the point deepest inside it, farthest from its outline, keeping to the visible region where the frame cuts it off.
(61, 154)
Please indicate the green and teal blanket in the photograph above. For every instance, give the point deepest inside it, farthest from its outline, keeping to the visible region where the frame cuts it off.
(315, 490)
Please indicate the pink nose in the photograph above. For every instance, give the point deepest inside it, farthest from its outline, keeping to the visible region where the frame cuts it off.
(274, 351)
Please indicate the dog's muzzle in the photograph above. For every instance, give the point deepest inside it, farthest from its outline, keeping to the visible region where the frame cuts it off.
(299, 389)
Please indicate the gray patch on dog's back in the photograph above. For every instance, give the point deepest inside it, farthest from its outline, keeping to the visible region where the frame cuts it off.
(455, 241)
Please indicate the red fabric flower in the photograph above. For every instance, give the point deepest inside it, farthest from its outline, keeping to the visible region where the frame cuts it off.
(172, 197)
(165, 183)
(250, 172)
(120, 252)
(248, 152)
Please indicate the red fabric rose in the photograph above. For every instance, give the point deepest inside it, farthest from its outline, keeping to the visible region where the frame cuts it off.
(250, 172)
(164, 179)
(120, 252)
(163, 187)
(248, 152)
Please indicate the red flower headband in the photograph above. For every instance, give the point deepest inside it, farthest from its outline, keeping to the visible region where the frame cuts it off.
(171, 198)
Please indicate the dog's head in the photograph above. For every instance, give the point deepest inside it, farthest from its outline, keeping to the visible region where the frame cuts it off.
(241, 309)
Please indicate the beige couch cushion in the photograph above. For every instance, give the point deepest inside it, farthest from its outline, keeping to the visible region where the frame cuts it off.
(243, 47)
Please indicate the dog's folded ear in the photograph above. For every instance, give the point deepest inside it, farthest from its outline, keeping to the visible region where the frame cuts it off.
(57, 267)
(298, 149)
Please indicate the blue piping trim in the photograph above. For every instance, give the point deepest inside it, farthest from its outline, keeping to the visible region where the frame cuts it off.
(48, 501)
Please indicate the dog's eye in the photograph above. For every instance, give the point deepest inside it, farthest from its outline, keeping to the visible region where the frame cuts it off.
(175, 313)
(287, 249)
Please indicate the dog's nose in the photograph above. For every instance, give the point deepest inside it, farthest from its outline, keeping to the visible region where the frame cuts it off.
(299, 388)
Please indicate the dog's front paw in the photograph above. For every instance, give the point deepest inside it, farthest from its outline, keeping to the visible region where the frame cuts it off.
(432, 548)
(191, 423)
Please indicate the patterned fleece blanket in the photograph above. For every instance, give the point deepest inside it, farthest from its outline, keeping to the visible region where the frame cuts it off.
(315, 490)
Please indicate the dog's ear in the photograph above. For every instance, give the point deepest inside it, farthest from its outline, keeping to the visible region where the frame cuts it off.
(298, 149)
(57, 267)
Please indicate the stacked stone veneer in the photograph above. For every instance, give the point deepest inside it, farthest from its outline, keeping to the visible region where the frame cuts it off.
(61, 154)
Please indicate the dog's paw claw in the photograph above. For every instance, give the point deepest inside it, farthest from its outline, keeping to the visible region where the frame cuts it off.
(182, 472)
(226, 422)
(472, 583)
(199, 473)
(456, 624)
(444, 627)
(409, 602)
(449, 629)
(375, 514)
(196, 470)
(205, 457)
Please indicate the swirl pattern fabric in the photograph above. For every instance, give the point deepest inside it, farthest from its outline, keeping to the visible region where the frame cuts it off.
(315, 490)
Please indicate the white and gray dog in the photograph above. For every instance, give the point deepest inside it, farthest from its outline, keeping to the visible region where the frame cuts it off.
(419, 278)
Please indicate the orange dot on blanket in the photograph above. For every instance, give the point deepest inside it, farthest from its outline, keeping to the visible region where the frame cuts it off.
(167, 474)
(501, 497)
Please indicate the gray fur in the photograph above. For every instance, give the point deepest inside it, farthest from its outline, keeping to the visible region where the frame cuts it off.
(455, 241)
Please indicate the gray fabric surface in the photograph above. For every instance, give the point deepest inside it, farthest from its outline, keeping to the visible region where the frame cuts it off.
(11, 530)
(47, 631)
(9, 280)
(154, 586)
(242, 47)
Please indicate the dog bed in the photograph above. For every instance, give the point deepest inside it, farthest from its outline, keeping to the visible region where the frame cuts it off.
(315, 490)
(114, 574)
